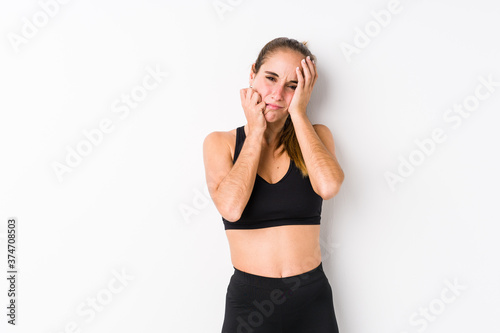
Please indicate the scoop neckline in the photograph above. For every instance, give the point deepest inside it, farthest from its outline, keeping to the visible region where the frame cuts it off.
(282, 178)
(258, 176)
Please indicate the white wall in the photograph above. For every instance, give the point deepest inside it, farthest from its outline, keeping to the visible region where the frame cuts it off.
(136, 205)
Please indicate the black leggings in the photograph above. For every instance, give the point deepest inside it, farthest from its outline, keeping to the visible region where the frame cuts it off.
(302, 303)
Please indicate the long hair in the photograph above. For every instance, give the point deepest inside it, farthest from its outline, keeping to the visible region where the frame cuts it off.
(287, 136)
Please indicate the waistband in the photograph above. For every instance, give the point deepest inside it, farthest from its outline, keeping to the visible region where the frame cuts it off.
(294, 281)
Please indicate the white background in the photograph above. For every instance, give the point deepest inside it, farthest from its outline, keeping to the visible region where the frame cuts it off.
(137, 204)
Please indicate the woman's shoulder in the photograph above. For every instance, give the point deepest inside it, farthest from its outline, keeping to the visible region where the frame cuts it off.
(319, 127)
(322, 130)
(229, 135)
(222, 140)
(325, 136)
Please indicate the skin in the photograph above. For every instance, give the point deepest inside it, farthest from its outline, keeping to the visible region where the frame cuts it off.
(284, 250)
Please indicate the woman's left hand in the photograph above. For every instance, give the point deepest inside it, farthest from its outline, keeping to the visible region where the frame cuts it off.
(304, 88)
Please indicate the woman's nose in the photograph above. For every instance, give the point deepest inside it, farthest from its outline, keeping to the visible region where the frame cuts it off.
(278, 93)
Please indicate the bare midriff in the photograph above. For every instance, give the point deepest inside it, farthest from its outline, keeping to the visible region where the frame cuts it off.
(280, 251)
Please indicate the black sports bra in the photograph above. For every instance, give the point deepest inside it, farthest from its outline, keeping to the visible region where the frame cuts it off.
(290, 201)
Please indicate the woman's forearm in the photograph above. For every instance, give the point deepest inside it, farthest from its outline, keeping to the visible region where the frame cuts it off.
(325, 173)
(235, 189)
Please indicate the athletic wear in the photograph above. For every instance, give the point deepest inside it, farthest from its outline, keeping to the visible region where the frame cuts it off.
(291, 200)
(298, 304)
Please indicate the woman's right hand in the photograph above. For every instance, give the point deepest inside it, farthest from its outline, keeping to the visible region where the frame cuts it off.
(254, 108)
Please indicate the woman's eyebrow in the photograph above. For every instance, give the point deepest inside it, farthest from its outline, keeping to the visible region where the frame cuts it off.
(272, 73)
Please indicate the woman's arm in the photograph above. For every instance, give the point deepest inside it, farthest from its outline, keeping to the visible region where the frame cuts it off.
(230, 186)
(318, 149)
(316, 143)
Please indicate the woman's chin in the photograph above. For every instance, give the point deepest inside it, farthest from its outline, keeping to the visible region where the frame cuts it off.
(270, 116)
(273, 117)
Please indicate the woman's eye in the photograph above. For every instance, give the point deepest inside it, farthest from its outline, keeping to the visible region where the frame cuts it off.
(274, 79)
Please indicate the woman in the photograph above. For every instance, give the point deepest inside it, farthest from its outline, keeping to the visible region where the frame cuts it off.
(268, 180)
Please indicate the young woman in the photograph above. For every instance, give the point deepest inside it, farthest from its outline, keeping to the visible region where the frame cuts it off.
(268, 180)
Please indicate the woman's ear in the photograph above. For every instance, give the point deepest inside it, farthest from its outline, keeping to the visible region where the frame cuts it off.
(252, 74)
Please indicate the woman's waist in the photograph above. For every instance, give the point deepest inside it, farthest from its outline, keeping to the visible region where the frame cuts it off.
(284, 283)
(275, 252)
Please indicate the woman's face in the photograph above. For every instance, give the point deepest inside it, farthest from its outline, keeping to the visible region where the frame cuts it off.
(276, 82)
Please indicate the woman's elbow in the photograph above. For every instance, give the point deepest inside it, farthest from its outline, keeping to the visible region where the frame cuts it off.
(229, 212)
(332, 189)
(231, 217)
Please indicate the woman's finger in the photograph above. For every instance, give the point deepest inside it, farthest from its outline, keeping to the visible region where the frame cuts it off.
(300, 79)
(242, 95)
(255, 98)
(307, 72)
(313, 70)
(249, 93)
(262, 106)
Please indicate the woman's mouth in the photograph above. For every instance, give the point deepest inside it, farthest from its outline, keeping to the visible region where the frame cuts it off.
(273, 107)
